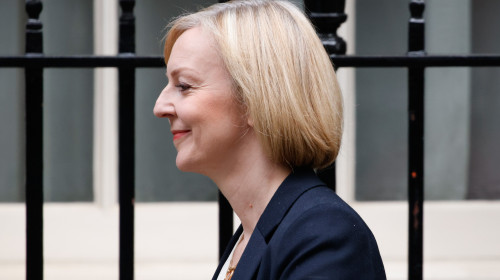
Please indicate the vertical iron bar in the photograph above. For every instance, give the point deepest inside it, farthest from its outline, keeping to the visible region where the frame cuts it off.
(327, 16)
(34, 145)
(126, 149)
(226, 222)
(416, 46)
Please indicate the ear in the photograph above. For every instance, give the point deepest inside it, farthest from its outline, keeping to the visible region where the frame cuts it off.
(250, 121)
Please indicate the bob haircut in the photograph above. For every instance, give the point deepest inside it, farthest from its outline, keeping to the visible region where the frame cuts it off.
(281, 74)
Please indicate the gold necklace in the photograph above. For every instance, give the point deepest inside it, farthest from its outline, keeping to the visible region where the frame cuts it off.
(229, 273)
(231, 268)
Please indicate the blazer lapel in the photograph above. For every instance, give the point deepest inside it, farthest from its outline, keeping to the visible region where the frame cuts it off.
(227, 251)
(292, 187)
(298, 182)
(250, 260)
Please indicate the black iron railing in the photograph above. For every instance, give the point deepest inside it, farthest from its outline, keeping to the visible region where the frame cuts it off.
(126, 144)
(342, 61)
(34, 145)
(327, 15)
(416, 48)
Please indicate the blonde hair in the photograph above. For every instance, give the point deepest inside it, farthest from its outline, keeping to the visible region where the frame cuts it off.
(281, 74)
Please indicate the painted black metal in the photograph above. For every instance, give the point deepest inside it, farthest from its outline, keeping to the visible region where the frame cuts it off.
(34, 145)
(126, 145)
(225, 223)
(416, 45)
(327, 16)
(126, 167)
(410, 60)
(126, 31)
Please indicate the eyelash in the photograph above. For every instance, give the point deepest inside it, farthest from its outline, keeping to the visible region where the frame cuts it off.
(183, 86)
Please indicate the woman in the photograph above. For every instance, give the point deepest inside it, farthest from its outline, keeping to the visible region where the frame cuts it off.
(253, 103)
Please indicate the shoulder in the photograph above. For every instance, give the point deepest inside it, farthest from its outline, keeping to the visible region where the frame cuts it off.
(323, 236)
(321, 213)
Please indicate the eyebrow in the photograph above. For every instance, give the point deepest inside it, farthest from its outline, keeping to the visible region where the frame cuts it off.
(177, 71)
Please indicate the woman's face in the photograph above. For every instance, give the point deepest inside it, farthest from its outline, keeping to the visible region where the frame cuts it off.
(206, 122)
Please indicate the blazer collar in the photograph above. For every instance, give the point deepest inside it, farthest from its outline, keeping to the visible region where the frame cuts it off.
(299, 181)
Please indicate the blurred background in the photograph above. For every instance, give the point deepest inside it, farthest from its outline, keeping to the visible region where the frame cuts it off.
(176, 213)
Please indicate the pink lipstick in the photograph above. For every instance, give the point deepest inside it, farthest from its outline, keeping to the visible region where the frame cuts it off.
(179, 133)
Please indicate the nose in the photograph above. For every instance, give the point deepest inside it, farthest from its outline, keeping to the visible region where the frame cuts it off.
(164, 108)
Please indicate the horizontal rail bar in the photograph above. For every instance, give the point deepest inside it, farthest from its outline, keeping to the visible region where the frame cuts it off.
(417, 61)
(82, 61)
(90, 61)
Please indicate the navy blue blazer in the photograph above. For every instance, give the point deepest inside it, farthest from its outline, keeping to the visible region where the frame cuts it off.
(307, 232)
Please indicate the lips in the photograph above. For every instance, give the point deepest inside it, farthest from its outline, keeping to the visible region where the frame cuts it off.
(179, 133)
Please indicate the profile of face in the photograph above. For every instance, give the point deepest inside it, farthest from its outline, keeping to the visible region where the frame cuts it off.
(207, 123)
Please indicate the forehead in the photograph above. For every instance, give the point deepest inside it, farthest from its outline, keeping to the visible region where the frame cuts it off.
(194, 48)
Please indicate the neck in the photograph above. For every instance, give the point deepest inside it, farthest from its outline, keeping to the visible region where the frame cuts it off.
(249, 185)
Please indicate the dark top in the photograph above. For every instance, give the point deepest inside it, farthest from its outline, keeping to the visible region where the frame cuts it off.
(307, 232)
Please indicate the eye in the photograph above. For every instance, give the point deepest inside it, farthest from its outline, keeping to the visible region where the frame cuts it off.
(183, 86)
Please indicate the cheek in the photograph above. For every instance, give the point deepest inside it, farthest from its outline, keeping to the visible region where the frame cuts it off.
(205, 114)
(212, 113)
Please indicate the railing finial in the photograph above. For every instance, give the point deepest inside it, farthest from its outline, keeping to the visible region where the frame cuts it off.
(127, 27)
(416, 40)
(417, 9)
(34, 42)
(327, 16)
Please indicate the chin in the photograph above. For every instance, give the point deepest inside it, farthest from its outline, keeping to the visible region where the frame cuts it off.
(185, 166)
(182, 167)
